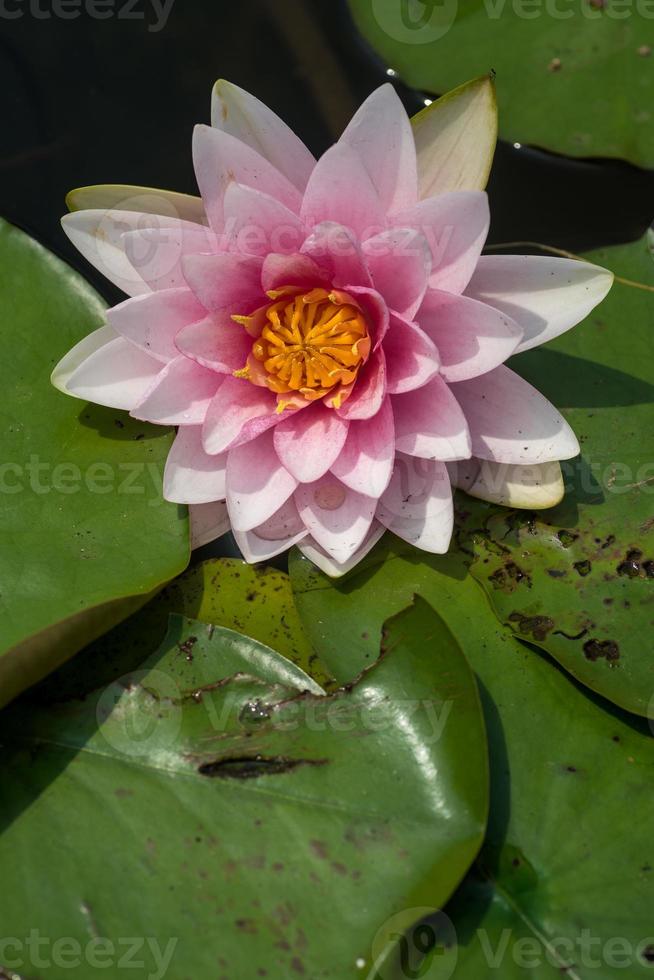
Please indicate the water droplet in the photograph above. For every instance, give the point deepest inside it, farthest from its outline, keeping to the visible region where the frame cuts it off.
(254, 713)
(330, 496)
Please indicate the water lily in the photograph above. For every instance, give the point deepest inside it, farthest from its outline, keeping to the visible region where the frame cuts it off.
(326, 335)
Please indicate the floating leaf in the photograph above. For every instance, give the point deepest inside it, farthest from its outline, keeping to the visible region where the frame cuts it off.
(83, 522)
(239, 807)
(332, 610)
(575, 78)
(578, 580)
(253, 600)
(564, 884)
(557, 868)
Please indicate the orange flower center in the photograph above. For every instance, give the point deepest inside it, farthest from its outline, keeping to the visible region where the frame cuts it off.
(308, 342)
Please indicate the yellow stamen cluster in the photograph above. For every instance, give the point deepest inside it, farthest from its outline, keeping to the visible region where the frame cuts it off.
(308, 342)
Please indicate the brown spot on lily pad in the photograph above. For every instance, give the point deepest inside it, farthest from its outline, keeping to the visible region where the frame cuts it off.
(319, 848)
(252, 767)
(566, 537)
(596, 649)
(509, 576)
(536, 626)
(630, 566)
(187, 647)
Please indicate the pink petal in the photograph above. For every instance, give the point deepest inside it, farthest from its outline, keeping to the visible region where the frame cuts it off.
(157, 253)
(308, 442)
(400, 263)
(430, 423)
(116, 375)
(366, 460)
(545, 296)
(381, 134)
(411, 357)
(511, 422)
(340, 190)
(243, 116)
(227, 281)
(180, 395)
(471, 338)
(237, 405)
(208, 522)
(76, 356)
(216, 342)
(257, 483)
(292, 270)
(312, 550)
(221, 159)
(455, 226)
(191, 476)
(276, 535)
(417, 506)
(336, 249)
(258, 224)
(256, 426)
(337, 518)
(375, 309)
(369, 390)
(99, 234)
(152, 321)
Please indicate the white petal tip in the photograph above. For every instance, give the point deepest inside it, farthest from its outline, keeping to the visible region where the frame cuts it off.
(312, 550)
(223, 87)
(76, 356)
(607, 278)
(208, 522)
(58, 380)
(529, 487)
(70, 220)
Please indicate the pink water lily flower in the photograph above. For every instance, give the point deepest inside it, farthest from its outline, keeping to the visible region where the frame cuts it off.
(326, 335)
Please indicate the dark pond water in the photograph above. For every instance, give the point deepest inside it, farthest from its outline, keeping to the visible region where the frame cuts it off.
(114, 100)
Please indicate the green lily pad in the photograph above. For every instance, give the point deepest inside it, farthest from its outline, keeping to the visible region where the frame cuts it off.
(253, 600)
(252, 825)
(573, 76)
(578, 580)
(84, 525)
(560, 867)
(332, 609)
